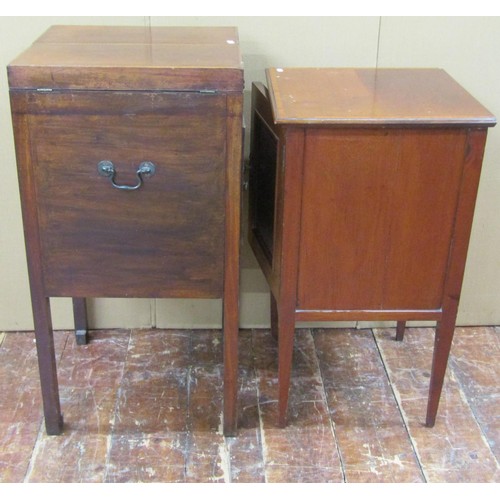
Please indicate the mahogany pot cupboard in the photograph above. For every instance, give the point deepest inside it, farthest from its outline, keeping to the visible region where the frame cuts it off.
(362, 187)
(129, 148)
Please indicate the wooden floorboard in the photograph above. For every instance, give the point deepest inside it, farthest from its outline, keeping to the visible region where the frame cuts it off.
(370, 430)
(455, 449)
(476, 365)
(146, 406)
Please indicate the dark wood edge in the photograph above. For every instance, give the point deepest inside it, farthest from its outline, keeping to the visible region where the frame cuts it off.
(39, 299)
(153, 79)
(259, 108)
(107, 102)
(232, 261)
(364, 315)
(80, 318)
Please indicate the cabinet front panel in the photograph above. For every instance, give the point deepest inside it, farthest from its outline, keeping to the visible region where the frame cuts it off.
(163, 239)
(377, 217)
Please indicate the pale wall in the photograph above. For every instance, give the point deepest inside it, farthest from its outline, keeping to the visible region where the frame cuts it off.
(466, 47)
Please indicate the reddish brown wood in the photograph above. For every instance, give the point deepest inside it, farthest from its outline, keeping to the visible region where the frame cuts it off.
(287, 244)
(381, 185)
(103, 104)
(471, 171)
(151, 35)
(372, 212)
(232, 261)
(155, 59)
(367, 314)
(163, 240)
(372, 97)
(81, 95)
(276, 244)
(273, 308)
(40, 303)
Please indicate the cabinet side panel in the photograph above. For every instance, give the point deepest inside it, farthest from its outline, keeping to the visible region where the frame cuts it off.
(377, 217)
(165, 239)
(344, 219)
(28, 198)
(426, 187)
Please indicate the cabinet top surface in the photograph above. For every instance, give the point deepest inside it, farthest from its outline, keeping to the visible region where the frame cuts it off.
(369, 96)
(91, 57)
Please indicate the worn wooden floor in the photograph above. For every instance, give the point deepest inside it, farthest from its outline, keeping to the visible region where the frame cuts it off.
(145, 406)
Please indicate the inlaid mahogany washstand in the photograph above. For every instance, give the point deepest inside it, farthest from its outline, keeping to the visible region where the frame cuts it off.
(362, 188)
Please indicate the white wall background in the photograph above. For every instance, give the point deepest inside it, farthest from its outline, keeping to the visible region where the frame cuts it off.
(466, 47)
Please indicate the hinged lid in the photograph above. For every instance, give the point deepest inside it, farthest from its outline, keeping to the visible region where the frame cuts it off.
(369, 96)
(131, 58)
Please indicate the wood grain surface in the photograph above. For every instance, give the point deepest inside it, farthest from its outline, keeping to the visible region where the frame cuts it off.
(131, 58)
(145, 405)
(368, 96)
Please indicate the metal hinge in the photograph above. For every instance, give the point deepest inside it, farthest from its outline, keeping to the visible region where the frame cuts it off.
(44, 90)
(208, 91)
